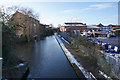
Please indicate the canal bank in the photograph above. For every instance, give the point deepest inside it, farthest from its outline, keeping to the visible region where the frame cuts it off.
(24, 53)
(76, 68)
(79, 69)
(92, 57)
(46, 58)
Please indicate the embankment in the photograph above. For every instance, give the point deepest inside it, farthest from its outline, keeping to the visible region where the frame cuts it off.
(106, 63)
(77, 66)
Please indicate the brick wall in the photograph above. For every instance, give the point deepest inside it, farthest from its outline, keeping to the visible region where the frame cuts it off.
(32, 26)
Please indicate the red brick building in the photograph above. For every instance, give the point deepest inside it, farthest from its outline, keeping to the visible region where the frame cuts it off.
(77, 26)
(30, 26)
(73, 26)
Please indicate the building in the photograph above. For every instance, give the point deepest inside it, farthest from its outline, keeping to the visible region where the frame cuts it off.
(114, 25)
(105, 28)
(30, 27)
(92, 27)
(115, 28)
(77, 28)
(99, 25)
(45, 26)
(108, 27)
(73, 26)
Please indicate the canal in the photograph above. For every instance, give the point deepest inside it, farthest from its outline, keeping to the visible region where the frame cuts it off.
(49, 61)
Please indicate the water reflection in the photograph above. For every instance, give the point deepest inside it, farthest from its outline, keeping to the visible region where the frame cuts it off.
(49, 61)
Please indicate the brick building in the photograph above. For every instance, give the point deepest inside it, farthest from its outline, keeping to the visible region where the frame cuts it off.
(73, 26)
(108, 27)
(77, 27)
(29, 26)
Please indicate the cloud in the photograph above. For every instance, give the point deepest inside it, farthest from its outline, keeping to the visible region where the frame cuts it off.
(75, 19)
(101, 6)
(98, 6)
(60, 0)
(69, 11)
(86, 9)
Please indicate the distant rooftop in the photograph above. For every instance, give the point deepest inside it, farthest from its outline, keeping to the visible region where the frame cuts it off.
(73, 23)
(89, 26)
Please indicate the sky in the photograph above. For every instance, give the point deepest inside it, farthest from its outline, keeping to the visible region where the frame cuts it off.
(56, 13)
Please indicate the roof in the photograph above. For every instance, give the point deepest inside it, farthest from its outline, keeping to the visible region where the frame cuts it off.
(73, 23)
(99, 25)
(115, 25)
(89, 26)
(17, 12)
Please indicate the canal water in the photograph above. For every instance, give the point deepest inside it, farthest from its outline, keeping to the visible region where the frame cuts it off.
(49, 61)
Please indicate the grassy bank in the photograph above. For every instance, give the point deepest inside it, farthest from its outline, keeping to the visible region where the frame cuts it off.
(83, 55)
(93, 56)
(87, 54)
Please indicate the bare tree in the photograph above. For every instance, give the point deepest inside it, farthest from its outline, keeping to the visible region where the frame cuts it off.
(28, 11)
(59, 25)
(7, 12)
(51, 25)
(4, 15)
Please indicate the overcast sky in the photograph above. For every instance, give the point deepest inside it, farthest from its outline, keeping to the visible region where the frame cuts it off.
(59, 12)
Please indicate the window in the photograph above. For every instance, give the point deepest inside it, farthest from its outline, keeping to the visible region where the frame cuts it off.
(34, 28)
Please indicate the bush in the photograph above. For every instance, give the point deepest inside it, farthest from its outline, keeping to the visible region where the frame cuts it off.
(9, 39)
(117, 33)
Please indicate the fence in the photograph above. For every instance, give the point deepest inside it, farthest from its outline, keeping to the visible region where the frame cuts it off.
(66, 36)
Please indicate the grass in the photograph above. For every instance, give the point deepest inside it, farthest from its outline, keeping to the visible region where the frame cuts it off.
(90, 55)
(93, 60)
(84, 56)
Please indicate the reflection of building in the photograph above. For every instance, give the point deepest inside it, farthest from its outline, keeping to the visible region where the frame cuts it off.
(29, 26)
